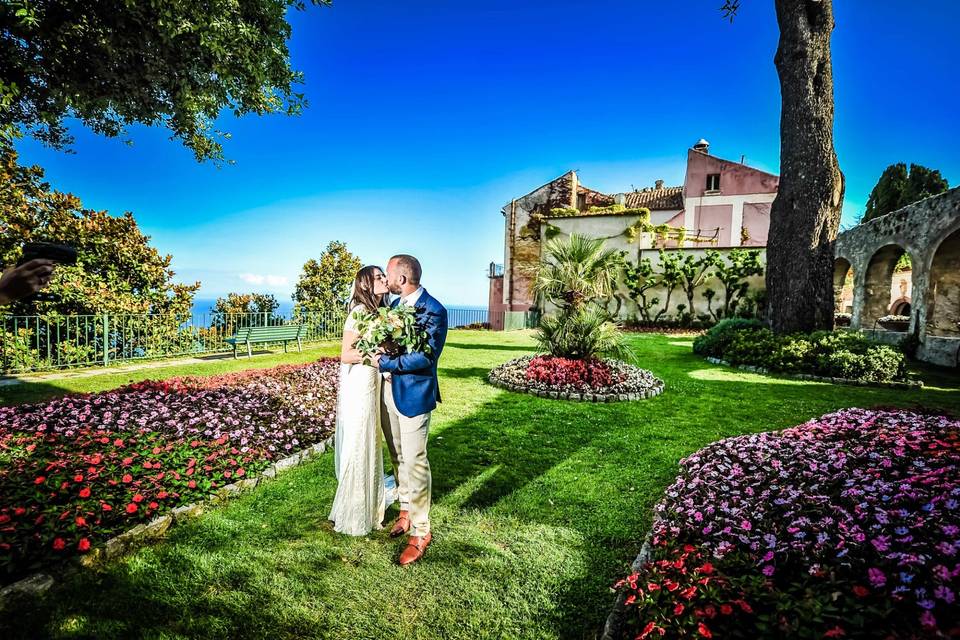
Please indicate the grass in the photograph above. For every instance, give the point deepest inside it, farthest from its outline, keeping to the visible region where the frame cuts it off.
(539, 506)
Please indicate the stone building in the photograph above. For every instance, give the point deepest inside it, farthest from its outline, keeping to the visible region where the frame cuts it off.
(929, 232)
(720, 205)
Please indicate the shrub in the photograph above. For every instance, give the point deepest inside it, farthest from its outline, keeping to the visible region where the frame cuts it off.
(591, 374)
(840, 354)
(714, 342)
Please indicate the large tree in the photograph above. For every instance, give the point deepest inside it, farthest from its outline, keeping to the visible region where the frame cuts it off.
(324, 284)
(174, 63)
(117, 270)
(805, 215)
(897, 188)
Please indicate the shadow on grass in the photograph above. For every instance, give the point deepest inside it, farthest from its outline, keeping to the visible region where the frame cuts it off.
(517, 461)
(479, 373)
(491, 347)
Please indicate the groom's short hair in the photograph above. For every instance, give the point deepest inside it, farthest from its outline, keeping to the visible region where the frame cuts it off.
(410, 267)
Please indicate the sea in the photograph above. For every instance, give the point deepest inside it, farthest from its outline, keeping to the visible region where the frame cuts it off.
(459, 314)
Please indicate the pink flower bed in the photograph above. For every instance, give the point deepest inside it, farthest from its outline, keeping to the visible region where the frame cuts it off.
(78, 470)
(839, 527)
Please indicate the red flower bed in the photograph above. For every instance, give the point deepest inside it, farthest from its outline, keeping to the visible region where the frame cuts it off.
(559, 372)
(78, 470)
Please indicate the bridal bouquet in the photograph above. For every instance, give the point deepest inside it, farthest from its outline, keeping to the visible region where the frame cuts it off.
(392, 330)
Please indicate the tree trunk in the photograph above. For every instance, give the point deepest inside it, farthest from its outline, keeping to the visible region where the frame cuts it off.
(805, 215)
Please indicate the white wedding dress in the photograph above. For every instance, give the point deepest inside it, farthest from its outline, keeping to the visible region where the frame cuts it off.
(361, 498)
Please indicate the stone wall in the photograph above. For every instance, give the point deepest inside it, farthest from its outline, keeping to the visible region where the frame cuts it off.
(929, 231)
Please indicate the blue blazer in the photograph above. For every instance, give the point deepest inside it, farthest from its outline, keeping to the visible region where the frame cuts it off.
(414, 375)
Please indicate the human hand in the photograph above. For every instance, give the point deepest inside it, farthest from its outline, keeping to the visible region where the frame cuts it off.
(25, 280)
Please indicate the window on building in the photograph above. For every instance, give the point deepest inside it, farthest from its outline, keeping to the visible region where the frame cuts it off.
(713, 182)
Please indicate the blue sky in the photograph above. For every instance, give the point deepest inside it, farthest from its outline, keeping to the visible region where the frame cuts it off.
(425, 118)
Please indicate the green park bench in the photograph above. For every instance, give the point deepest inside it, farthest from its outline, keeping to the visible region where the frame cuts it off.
(258, 335)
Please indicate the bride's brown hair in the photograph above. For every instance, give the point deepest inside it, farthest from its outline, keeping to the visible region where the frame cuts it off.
(363, 289)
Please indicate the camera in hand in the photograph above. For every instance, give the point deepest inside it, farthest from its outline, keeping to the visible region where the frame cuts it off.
(59, 253)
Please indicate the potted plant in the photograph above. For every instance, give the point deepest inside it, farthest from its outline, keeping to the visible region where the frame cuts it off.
(842, 319)
(895, 323)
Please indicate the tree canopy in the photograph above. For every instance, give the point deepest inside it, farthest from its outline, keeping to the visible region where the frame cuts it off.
(117, 270)
(898, 188)
(324, 284)
(113, 64)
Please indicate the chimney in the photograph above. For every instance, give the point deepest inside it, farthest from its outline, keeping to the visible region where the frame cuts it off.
(658, 184)
(702, 146)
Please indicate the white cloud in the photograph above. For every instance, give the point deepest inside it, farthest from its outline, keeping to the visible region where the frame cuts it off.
(268, 279)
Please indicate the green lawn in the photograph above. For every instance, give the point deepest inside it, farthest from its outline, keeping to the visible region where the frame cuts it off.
(540, 505)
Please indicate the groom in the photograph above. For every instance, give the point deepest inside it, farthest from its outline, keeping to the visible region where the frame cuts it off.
(410, 393)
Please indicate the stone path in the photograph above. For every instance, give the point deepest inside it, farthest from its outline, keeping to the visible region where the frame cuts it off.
(15, 379)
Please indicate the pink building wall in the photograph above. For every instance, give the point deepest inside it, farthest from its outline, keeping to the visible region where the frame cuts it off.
(756, 220)
(735, 179)
(713, 216)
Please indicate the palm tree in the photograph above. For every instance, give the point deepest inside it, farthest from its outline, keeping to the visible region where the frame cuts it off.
(577, 271)
(577, 276)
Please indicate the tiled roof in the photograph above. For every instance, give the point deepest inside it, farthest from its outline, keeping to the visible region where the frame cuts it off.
(666, 198)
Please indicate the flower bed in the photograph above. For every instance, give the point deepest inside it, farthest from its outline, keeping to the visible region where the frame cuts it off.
(840, 527)
(895, 323)
(830, 354)
(588, 380)
(78, 470)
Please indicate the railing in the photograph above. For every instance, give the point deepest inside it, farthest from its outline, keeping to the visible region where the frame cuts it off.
(36, 343)
(47, 342)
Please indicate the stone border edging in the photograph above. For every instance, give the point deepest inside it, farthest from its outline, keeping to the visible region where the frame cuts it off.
(813, 378)
(142, 534)
(613, 627)
(652, 392)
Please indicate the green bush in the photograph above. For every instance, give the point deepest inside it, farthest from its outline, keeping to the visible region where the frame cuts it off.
(843, 354)
(714, 342)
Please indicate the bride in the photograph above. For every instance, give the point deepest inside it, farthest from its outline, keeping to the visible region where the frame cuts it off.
(360, 502)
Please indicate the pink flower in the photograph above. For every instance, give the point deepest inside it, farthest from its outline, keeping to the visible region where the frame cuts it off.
(877, 577)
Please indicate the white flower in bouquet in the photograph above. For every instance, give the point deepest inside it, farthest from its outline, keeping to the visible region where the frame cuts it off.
(391, 330)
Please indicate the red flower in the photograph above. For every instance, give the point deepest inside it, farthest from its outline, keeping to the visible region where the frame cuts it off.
(227, 474)
(710, 611)
(19, 511)
(84, 545)
(744, 606)
(96, 459)
(157, 450)
(860, 591)
(127, 462)
(162, 494)
(192, 485)
(4, 519)
(138, 498)
(59, 544)
(131, 508)
(241, 472)
(706, 569)
(677, 610)
(106, 507)
(81, 521)
(630, 600)
(646, 630)
(688, 593)
(726, 609)
(704, 630)
(127, 478)
(78, 478)
(85, 492)
(118, 442)
(40, 480)
(153, 505)
(653, 586)
(147, 465)
(835, 632)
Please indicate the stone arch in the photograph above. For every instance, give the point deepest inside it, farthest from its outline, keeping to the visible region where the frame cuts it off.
(943, 292)
(879, 293)
(842, 285)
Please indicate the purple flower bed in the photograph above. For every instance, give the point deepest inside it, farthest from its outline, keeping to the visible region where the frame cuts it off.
(839, 527)
(78, 470)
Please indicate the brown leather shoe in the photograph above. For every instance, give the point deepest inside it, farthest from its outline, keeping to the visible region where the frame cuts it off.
(415, 549)
(402, 525)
